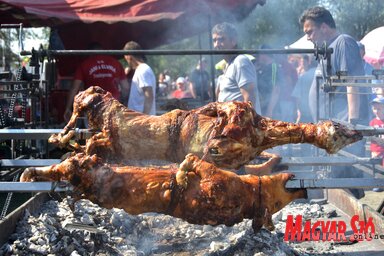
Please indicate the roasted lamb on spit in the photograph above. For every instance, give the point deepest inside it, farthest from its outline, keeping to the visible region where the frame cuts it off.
(197, 191)
(228, 135)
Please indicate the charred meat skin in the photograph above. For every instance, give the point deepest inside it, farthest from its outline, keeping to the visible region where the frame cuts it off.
(197, 191)
(228, 134)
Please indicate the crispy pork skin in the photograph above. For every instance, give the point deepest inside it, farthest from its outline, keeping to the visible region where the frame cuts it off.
(197, 191)
(228, 135)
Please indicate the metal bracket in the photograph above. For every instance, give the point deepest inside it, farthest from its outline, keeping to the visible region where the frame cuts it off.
(35, 187)
(335, 183)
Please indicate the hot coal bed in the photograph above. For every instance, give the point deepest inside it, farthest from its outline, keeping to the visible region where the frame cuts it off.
(90, 230)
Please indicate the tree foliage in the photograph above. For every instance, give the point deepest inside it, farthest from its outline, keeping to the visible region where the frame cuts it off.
(358, 17)
(181, 65)
(15, 36)
(276, 23)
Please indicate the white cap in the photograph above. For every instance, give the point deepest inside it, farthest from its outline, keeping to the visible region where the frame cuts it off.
(180, 80)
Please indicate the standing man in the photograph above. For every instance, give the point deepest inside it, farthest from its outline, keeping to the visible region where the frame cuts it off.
(200, 81)
(269, 82)
(239, 81)
(301, 90)
(319, 26)
(143, 85)
(346, 104)
(98, 70)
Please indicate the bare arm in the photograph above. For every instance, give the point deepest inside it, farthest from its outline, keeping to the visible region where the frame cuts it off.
(298, 110)
(217, 91)
(74, 89)
(247, 91)
(148, 99)
(353, 102)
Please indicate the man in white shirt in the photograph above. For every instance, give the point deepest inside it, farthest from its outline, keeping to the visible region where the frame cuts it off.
(143, 87)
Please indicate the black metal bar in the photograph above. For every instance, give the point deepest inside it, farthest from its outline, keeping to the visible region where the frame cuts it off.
(14, 82)
(180, 52)
(11, 25)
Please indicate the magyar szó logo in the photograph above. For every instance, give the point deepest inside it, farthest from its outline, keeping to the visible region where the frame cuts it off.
(330, 230)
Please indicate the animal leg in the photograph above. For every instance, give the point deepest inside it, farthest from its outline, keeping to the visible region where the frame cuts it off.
(264, 168)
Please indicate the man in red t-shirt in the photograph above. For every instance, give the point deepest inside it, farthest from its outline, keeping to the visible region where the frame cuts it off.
(377, 122)
(181, 92)
(98, 70)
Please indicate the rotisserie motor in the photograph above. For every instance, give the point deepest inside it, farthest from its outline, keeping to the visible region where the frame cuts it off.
(197, 191)
(228, 135)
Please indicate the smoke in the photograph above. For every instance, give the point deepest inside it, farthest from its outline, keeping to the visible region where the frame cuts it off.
(273, 25)
(194, 26)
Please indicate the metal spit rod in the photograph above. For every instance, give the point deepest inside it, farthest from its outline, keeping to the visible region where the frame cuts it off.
(369, 131)
(329, 161)
(18, 163)
(36, 134)
(368, 85)
(335, 183)
(295, 183)
(34, 187)
(363, 129)
(285, 161)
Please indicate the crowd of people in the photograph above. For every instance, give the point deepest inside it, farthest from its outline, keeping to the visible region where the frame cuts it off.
(195, 85)
(278, 86)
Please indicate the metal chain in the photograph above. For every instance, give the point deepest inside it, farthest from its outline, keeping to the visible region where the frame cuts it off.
(13, 97)
(2, 117)
(8, 200)
(3, 122)
(11, 108)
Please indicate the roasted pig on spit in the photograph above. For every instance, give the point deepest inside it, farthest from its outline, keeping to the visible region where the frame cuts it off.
(197, 191)
(228, 135)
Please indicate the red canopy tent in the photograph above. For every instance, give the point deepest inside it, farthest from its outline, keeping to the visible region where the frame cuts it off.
(114, 22)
